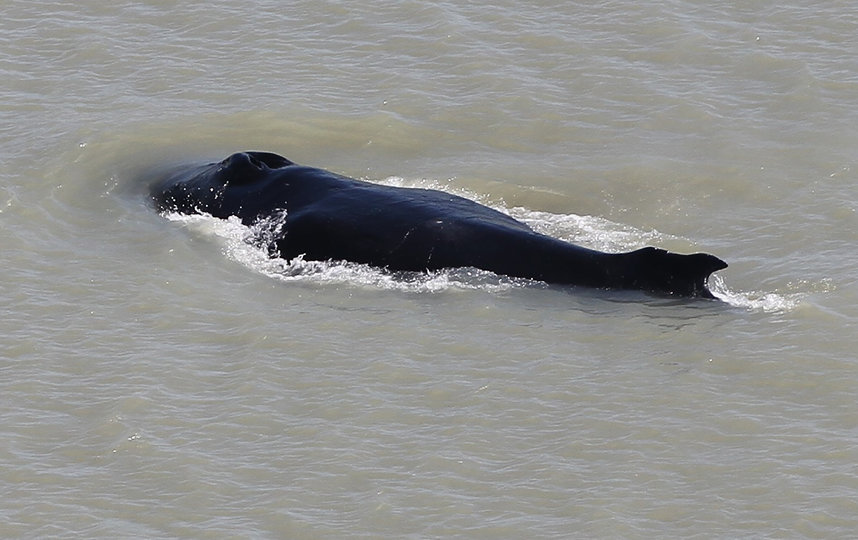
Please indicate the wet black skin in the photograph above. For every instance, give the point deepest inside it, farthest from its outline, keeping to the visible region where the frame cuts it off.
(333, 217)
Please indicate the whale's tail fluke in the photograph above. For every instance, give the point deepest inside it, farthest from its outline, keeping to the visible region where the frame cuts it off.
(660, 271)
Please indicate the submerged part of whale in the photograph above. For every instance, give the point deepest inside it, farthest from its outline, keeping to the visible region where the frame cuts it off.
(333, 217)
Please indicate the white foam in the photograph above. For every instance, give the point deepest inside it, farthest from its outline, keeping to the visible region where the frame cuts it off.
(590, 231)
(768, 302)
(594, 232)
(238, 244)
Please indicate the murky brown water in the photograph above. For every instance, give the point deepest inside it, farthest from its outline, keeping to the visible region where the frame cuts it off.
(162, 379)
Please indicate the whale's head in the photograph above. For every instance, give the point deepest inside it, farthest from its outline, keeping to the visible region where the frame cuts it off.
(230, 187)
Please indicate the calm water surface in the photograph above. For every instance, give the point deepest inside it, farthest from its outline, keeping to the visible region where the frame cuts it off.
(162, 379)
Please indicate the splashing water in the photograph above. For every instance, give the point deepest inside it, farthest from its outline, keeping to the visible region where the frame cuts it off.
(247, 246)
(769, 302)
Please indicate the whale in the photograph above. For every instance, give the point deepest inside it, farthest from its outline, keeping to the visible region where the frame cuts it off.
(324, 216)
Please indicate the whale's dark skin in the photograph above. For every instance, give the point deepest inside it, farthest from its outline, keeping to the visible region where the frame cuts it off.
(333, 217)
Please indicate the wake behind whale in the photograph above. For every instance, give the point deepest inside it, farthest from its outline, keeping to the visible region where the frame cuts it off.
(316, 215)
